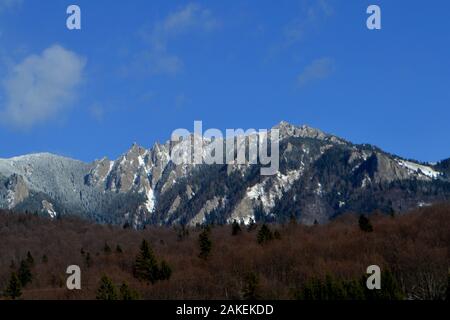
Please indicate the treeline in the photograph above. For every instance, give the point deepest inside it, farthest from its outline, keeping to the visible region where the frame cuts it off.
(268, 261)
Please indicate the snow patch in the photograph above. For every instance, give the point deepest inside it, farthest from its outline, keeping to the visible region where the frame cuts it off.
(48, 208)
(366, 181)
(419, 169)
(281, 184)
(10, 199)
(151, 201)
(319, 190)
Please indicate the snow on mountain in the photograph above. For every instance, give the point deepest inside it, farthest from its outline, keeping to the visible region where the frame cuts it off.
(268, 194)
(320, 176)
(419, 169)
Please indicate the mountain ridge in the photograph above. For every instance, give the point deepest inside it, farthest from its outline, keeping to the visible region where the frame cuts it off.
(320, 176)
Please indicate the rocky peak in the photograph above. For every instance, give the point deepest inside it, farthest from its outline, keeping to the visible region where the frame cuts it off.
(135, 151)
(303, 131)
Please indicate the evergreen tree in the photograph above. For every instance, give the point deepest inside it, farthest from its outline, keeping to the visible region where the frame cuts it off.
(165, 272)
(264, 235)
(126, 293)
(235, 228)
(119, 249)
(106, 290)
(146, 266)
(364, 224)
(13, 289)
(30, 259)
(205, 243)
(277, 235)
(24, 273)
(44, 258)
(251, 283)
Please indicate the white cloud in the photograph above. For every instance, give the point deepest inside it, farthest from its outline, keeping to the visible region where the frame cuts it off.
(41, 87)
(190, 18)
(317, 70)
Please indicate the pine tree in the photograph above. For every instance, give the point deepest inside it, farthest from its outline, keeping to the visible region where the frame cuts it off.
(264, 235)
(235, 228)
(13, 289)
(146, 266)
(165, 272)
(24, 273)
(126, 293)
(44, 258)
(119, 249)
(106, 290)
(251, 283)
(30, 259)
(277, 235)
(205, 244)
(364, 224)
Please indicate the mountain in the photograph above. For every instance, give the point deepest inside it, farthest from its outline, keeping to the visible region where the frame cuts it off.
(320, 177)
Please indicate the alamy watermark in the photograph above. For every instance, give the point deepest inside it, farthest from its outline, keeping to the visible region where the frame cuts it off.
(236, 147)
(73, 21)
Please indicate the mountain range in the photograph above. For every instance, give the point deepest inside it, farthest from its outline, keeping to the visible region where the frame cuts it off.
(320, 177)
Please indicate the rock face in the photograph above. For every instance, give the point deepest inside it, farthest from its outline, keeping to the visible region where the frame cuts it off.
(320, 177)
(16, 190)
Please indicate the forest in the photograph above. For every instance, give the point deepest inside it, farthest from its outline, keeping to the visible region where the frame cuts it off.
(256, 261)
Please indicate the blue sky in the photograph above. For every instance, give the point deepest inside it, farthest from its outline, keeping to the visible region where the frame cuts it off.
(139, 69)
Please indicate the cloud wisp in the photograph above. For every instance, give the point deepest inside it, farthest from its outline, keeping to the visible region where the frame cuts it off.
(313, 14)
(41, 87)
(190, 18)
(317, 70)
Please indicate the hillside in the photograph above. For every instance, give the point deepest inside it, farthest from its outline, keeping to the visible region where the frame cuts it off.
(414, 248)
